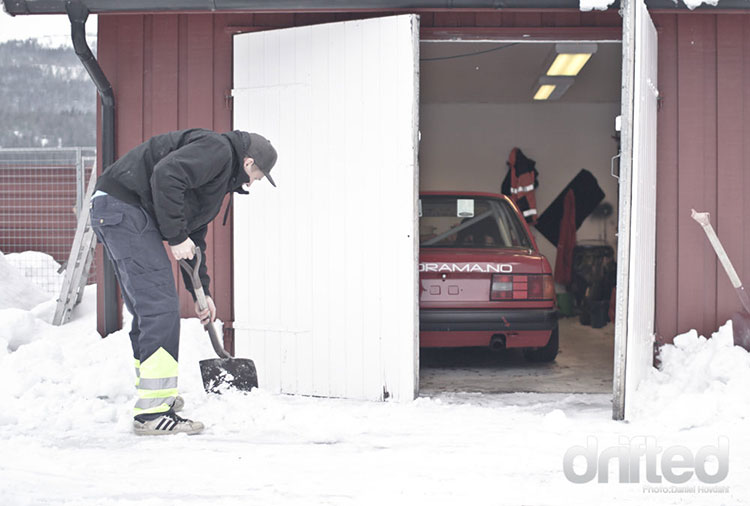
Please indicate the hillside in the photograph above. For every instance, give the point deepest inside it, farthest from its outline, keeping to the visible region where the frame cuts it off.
(46, 97)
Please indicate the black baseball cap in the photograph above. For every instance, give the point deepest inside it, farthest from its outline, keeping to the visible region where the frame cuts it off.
(262, 152)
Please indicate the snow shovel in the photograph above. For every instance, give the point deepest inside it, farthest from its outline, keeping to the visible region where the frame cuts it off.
(741, 319)
(218, 373)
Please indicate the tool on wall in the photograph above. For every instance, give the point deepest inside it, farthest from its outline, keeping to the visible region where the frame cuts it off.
(741, 319)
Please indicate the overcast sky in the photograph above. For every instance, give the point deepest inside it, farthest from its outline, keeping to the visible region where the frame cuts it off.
(53, 30)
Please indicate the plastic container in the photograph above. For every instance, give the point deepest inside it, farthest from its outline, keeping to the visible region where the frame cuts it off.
(565, 304)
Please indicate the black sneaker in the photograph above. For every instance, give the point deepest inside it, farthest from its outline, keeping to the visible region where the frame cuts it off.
(165, 423)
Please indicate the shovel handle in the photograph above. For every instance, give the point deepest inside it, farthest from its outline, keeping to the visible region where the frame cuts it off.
(200, 296)
(704, 220)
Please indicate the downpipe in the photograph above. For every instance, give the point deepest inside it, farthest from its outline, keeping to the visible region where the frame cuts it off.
(78, 13)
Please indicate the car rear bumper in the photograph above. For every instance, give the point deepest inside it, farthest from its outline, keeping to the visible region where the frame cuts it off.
(495, 320)
(474, 327)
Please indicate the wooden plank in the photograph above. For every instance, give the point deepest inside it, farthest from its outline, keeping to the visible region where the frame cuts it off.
(454, 19)
(164, 68)
(129, 90)
(518, 33)
(494, 18)
(696, 61)
(667, 184)
(730, 218)
(148, 76)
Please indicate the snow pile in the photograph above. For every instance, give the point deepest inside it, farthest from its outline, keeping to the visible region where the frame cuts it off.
(600, 5)
(18, 292)
(40, 269)
(603, 5)
(699, 381)
(692, 4)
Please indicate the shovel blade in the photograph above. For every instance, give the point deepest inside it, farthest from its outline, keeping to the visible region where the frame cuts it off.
(741, 329)
(220, 373)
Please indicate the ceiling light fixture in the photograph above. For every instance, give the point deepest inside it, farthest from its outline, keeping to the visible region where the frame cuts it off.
(570, 58)
(544, 91)
(552, 87)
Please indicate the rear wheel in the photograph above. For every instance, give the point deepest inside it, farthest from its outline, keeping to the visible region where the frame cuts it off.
(546, 353)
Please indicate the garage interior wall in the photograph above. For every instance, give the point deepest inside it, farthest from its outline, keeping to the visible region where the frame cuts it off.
(173, 71)
(563, 138)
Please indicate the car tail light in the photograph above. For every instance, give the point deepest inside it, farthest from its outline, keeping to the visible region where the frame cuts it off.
(522, 287)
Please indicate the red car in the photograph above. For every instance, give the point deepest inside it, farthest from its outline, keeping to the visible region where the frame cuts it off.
(483, 281)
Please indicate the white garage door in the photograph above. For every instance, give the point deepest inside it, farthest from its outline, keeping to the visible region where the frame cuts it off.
(634, 321)
(325, 265)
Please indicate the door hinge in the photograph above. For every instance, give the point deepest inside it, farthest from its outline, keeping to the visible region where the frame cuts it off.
(228, 100)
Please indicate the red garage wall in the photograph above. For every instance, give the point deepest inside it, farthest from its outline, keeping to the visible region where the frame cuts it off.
(172, 71)
(703, 160)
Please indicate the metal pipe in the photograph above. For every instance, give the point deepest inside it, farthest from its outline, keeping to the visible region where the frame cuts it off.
(497, 342)
(78, 13)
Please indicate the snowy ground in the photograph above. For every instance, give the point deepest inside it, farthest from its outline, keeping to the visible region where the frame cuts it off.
(65, 432)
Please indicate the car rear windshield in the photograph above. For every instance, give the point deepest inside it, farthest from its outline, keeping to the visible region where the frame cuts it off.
(469, 222)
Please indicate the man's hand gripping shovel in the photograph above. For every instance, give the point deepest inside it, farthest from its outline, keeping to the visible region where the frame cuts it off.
(225, 371)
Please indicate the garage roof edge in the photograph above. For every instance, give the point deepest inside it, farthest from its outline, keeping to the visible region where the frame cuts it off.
(24, 7)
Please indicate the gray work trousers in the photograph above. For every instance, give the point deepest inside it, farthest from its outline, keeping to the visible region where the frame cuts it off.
(134, 243)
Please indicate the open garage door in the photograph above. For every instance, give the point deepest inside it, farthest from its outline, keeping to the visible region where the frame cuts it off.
(634, 321)
(325, 265)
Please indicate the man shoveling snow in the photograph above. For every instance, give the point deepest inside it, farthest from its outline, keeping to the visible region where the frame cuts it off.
(168, 189)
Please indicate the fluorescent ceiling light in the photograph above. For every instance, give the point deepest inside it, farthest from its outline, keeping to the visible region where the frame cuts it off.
(552, 88)
(570, 59)
(544, 91)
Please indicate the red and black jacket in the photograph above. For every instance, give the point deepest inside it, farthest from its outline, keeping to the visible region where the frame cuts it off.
(520, 183)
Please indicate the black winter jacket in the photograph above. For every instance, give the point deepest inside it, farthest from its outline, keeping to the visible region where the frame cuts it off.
(180, 178)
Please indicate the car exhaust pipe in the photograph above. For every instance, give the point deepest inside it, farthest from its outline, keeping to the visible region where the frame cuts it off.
(497, 343)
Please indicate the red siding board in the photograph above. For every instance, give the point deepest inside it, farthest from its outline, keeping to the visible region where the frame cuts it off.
(487, 19)
(566, 19)
(527, 19)
(274, 20)
(455, 19)
(222, 122)
(148, 66)
(129, 89)
(696, 170)
(667, 184)
(164, 70)
(730, 106)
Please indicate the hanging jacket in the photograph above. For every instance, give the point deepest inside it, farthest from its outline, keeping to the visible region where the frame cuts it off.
(520, 183)
(567, 241)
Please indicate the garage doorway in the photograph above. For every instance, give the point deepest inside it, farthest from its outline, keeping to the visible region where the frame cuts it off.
(476, 105)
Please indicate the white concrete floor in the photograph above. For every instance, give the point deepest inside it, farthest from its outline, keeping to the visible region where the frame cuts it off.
(583, 365)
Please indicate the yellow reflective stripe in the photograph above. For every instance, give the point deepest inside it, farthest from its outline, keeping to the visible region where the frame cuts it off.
(158, 383)
(521, 189)
(154, 394)
(160, 406)
(159, 365)
(137, 363)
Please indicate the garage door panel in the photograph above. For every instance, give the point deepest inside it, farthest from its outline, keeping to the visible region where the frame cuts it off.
(634, 325)
(315, 305)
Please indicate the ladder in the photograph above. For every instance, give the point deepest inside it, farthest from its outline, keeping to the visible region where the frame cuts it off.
(79, 261)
